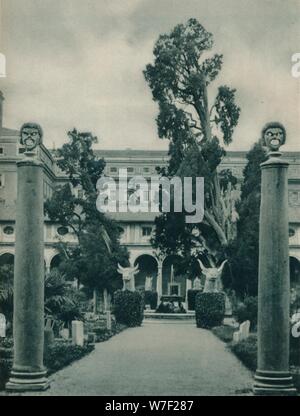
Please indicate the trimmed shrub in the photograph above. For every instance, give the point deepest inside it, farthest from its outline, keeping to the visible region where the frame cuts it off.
(58, 355)
(210, 309)
(294, 350)
(247, 310)
(224, 332)
(246, 351)
(151, 298)
(61, 354)
(128, 308)
(191, 298)
(5, 369)
(6, 360)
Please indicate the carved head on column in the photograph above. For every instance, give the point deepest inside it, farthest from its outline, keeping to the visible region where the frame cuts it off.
(212, 277)
(273, 136)
(31, 136)
(128, 272)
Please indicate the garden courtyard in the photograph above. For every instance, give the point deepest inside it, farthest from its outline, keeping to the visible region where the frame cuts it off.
(154, 302)
(161, 357)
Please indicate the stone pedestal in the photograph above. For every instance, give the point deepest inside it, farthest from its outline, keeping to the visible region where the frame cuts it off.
(28, 372)
(188, 287)
(77, 333)
(272, 376)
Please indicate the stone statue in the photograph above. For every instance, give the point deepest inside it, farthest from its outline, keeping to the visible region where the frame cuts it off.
(128, 274)
(31, 136)
(273, 136)
(213, 275)
(197, 284)
(148, 283)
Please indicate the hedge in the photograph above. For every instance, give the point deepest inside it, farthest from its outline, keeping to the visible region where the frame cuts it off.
(246, 351)
(224, 332)
(210, 309)
(128, 308)
(191, 298)
(247, 311)
(58, 355)
(6, 360)
(151, 298)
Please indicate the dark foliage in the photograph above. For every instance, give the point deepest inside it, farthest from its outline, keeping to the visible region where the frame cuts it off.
(247, 311)
(179, 79)
(191, 295)
(210, 309)
(151, 298)
(246, 351)
(128, 308)
(244, 251)
(61, 354)
(224, 332)
(93, 261)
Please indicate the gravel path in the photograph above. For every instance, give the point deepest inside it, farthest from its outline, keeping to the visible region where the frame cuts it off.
(159, 358)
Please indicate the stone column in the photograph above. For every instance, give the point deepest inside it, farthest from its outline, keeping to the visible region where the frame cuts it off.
(159, 282)
(272, 376)
(28, 372)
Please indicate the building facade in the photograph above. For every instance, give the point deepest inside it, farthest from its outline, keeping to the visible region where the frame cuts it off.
(137, 227)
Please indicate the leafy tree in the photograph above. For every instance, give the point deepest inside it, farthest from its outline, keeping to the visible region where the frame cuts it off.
(197, 129)
(62, 302)
(93, 260)
(244, 250)
(56, 292)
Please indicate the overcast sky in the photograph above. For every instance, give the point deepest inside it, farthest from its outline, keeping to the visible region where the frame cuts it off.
(79, 63)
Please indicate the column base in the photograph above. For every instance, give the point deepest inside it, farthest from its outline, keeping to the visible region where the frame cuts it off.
(29, 381)
(273, 383)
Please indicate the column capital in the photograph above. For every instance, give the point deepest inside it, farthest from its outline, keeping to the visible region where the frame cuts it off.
(275, 160)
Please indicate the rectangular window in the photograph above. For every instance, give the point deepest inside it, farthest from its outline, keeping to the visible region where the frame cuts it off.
(1, 151)
(21, 150)
(146, 170)
(130, 170)
(113, 170)
(146, 231)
